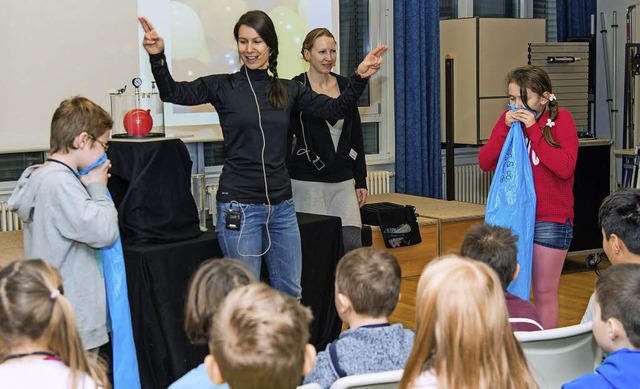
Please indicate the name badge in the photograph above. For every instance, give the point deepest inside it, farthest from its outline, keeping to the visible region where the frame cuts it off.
(353, 154)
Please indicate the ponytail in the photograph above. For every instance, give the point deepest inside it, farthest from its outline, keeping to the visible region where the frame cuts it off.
(64, 339)
(546, 130)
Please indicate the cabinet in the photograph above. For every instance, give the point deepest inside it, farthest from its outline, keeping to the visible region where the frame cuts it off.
(591, 185)
(484, 50)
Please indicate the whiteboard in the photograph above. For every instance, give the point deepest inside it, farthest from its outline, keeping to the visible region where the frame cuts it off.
(54, 49)
(51, 50)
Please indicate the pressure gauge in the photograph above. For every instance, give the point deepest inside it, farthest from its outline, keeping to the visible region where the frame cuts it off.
(137, 82)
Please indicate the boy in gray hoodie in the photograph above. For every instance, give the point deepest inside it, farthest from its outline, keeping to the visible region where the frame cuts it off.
(67, 216)
(367, 291)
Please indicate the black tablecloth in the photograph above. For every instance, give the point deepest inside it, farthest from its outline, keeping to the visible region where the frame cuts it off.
(151, 187)
(158, 276)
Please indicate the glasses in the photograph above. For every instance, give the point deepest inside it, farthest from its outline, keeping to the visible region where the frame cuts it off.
(101, 143)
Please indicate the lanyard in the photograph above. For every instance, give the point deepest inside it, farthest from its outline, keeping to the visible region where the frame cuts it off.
(75, 173)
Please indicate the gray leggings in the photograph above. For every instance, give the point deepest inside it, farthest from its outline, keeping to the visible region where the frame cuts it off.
(352, 238)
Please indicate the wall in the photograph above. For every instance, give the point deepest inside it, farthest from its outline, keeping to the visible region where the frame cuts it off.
(52, 50)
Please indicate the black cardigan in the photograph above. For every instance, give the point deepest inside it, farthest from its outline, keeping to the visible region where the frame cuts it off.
(339, 166)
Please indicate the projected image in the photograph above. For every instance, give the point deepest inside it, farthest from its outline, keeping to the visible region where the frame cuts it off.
(199, 40)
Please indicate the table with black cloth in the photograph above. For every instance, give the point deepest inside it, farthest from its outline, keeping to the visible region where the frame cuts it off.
(151, 187)
(158, 277)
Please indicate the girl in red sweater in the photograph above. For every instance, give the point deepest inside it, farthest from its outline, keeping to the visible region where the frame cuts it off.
(552, 141)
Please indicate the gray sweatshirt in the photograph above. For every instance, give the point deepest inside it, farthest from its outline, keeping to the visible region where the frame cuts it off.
(64, 224)
(364, 350)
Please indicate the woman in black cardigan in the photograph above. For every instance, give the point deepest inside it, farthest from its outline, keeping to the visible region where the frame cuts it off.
(327, 165)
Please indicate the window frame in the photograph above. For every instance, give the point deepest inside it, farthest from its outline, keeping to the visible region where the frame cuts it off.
(381, 107)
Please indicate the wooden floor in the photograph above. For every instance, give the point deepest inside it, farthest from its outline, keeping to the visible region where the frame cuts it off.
(576, 286)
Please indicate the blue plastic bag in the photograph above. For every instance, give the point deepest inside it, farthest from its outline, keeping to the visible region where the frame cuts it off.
(125, 360)
(512, 203)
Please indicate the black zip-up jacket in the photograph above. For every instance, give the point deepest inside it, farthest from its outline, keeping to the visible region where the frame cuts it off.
(338, 165)
(231, 95)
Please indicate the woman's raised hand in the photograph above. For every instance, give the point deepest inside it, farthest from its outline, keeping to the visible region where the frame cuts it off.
(371, 63)
(152, 42)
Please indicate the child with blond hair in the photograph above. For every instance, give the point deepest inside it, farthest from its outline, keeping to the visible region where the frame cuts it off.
(463, 336)
(39, 343)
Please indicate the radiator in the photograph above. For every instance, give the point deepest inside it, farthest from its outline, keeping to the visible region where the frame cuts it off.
(9, 221)
(379, 181)
(211, 191)
(471, 184)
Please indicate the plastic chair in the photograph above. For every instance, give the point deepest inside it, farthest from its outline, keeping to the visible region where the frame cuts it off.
(560, 355)
(382, 380)
(312, 385)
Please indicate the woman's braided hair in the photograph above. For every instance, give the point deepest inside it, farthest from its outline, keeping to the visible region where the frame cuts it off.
(537, 80)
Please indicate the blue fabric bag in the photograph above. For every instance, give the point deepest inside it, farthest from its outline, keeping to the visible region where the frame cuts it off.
(125, 360)
(512, 203)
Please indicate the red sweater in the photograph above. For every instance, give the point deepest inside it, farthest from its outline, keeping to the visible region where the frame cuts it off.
(552, 167)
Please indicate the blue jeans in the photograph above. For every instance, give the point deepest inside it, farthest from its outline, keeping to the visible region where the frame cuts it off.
(278, 242)
(553, 235)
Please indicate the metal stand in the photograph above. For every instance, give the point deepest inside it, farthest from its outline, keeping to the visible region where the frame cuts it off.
(611, 90)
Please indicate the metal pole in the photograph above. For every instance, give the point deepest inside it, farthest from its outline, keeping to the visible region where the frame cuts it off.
(605, 54)
(614, 98)
(450, 143)
(614, 67)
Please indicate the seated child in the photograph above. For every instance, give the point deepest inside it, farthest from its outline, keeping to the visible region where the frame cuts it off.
(496, 247)
(619, 220)
(40, 346)
(463, 339)
(367, 291)
(213, 280)
(616, 327)
(258, 340)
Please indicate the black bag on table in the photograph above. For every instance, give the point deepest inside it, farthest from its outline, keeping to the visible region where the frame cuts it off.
(398, 223)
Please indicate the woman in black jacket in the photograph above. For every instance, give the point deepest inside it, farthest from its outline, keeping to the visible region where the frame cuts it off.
(327, 165)
(256, 217)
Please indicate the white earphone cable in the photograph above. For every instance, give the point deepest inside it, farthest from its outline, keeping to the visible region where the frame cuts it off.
(264, 176)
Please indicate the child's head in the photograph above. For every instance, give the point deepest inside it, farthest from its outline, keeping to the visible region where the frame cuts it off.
(73, 117)
(462, 329)
(259, 340)
(34, 312)
(213, 280)
(619, 220)
(616, 322)
(495, 246)
(370, 279)
(530, 87)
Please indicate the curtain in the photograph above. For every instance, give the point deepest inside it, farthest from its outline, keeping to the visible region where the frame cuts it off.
(574, 18)
(416, 46)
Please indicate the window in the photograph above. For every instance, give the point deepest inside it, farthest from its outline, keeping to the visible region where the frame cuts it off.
(214, 153)
(539, 9)
(13, 164)
(363, 26)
